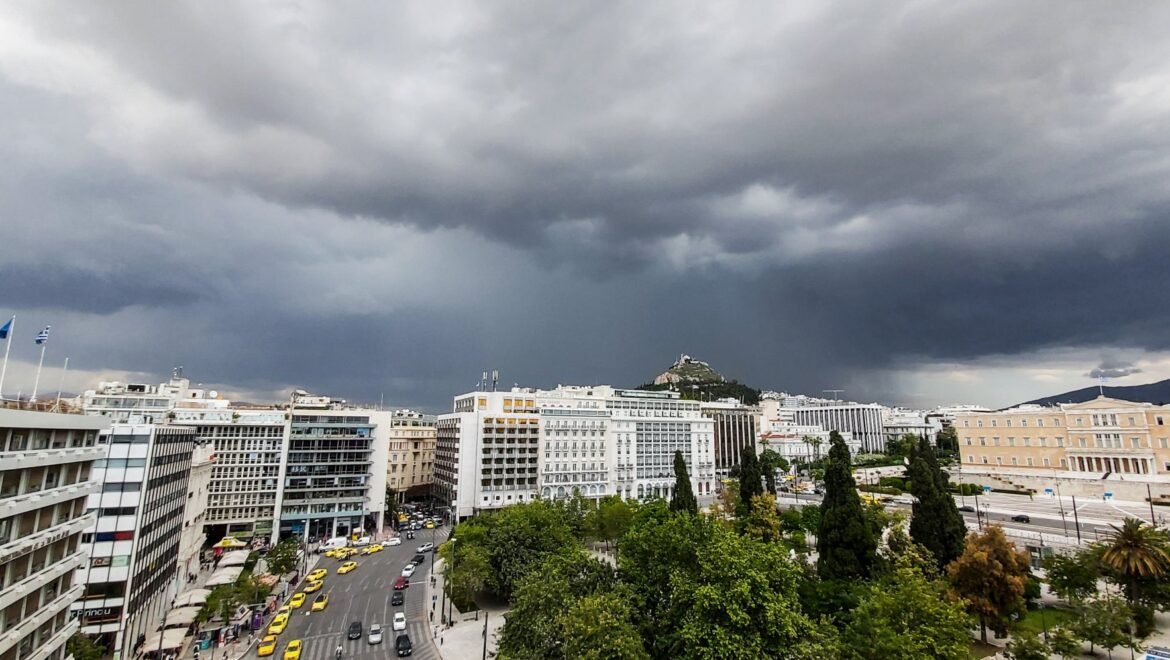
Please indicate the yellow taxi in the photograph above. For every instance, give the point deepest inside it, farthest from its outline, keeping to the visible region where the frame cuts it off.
(315, 585)
(430, 524)
(293, 650)
(320, 603)
(318, 574)
(332, 552)
(346, 553)
(347, 567)
(297, 600)
(371, 549)
(278, 624)
(267, 646)
(284, 611)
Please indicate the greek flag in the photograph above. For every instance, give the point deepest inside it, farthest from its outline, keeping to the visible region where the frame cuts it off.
(6, 328)
(43, 335)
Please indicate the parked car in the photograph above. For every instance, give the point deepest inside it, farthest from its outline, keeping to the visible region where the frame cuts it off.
(967, 508)
(397, 599)
(399, 621)
(355, 630)
(375, 636)
(402, 646)
(1021, 518)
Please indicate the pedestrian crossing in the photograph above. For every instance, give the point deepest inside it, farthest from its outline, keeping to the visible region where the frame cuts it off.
(324, 647)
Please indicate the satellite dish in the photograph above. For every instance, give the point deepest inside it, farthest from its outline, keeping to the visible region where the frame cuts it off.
(213, 394)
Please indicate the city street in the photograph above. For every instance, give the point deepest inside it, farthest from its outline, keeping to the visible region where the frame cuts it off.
(364, 595)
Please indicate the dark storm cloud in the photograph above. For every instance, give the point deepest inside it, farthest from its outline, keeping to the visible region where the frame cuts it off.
(794, 192)
(1111, 367)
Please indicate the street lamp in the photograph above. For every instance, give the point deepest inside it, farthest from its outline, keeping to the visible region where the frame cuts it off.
(445, 612)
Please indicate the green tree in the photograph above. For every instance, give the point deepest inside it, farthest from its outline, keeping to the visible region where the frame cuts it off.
(84, 648)
(577, 513)
(613, 518)
(948, 440)
(770, 463)
(1027, 647)
(1104, 622)
(810, 518)
(1137, 557)
(991, 576)
(905, 615)
(391, 502)
(763, 521)
(518, 538)
(1064, 642)
(597, 627)
(536, 626)
(903, 446)
(749, 478)
(845, 541)
(683, 497)
(936, 523)
(283, 558)
(1072, 577)
(814, 444)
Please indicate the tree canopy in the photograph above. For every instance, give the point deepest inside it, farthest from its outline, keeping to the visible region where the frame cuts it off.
(906, 615)
(936, 523)
(750, 475)
(991, 576)
(683, 497)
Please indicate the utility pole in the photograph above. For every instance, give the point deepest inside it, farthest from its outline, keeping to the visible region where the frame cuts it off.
(1077, 519)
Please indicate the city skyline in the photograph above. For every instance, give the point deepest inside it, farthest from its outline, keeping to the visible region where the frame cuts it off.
(918, 205)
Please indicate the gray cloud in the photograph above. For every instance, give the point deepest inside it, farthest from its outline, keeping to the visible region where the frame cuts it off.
(394, 197)
(1112, 367)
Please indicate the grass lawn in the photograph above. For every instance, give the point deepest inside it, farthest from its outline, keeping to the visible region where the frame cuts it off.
(979, 650)
(1032, 623)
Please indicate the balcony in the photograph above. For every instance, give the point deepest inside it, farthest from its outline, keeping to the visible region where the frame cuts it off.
(16, 460)
(40, 578)
(57, 640)
(48, 536)
(42, 498)
(46, 612)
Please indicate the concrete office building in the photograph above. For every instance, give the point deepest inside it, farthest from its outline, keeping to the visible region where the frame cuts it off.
(410, 439)
(1099, 447)
(46, 464)
(794, 442)
(330, 486)
(898, 422)
(134, 545)
(195, 511)
(863, 420)
(735, 426)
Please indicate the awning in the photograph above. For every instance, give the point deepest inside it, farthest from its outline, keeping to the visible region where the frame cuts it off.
(229, 542)
(192, 597)
(172, 638)
(237, 558)
(226, 575)
(181, 617)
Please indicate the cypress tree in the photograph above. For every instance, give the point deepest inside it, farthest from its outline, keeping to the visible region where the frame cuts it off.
(750, 475)
(935, 523)
(845, 542)
(683, 498)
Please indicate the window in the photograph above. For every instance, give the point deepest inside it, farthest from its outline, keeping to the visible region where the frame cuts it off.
(1015, 461)
(1158, 420)
(1046, 463)
(1135, 443)
(1023, 422)
(1163, 443)
(1029, 462)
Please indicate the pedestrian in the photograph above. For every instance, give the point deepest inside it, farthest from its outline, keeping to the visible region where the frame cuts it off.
(440, 641)
(432, 613)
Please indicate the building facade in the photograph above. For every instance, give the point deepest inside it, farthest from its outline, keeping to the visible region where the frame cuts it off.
(734, 426)
(410, 439)
(899, 422)
(1097, 447)
(796, 443)
(330, 487)
(862, 420)
(134, 545)
(46, 465)
(195, 511)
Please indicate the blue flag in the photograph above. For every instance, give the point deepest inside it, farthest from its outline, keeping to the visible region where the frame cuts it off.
(6, 328)
(43, 335)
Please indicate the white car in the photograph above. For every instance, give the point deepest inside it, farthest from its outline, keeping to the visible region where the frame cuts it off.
(408, 571)
(375, 634)
(426, 547)
(399, 621)
(394, 541)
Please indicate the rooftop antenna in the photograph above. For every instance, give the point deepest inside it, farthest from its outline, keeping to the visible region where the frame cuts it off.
(483, 382)
(836, 394)
(495, 379)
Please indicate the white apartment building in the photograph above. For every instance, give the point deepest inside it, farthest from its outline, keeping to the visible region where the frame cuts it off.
(898, 422)
(195, 511)
(410, 440)
(794, 442)
(134, 545)
(500, 448)
(487, 451)
(46, 463)
(863, 420)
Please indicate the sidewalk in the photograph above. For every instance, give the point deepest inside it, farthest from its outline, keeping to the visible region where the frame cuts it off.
(465, 637)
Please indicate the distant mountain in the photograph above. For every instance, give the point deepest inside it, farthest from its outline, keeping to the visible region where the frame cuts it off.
(1156, 393)
(695, 379)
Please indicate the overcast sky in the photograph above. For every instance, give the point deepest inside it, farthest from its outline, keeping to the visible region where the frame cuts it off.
(918, 203)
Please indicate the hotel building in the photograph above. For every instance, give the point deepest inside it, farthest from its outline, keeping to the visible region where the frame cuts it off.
(46, 464)
(734, 427)
(411, 448)
(1101, 446)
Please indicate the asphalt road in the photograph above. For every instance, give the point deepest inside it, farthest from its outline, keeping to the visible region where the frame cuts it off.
(364, 595)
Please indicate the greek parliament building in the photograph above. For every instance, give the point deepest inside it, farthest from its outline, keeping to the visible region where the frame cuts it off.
(45, 477)
(1097, 448)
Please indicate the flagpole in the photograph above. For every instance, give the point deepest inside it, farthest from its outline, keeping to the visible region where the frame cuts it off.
(37, 381)
(7, 347)
(61, 385)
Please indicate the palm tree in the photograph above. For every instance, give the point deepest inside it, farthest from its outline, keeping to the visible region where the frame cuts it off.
(1136, 552)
